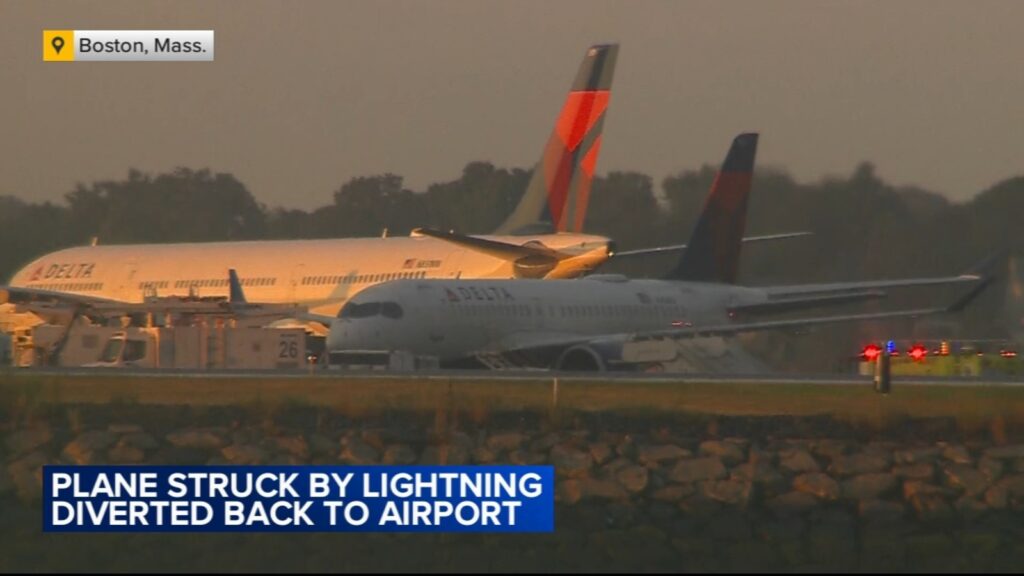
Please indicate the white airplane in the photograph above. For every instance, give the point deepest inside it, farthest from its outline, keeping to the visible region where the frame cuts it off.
(584, 323)
(541, 239)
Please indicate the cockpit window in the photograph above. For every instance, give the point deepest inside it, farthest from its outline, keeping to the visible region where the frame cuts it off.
(356, 310)
(391, 310)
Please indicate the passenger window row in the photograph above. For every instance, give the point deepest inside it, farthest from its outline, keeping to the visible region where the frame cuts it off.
(360, 278)
(71, 286)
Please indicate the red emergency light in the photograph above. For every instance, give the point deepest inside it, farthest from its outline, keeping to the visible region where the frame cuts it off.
(871, 352)
(918, 352)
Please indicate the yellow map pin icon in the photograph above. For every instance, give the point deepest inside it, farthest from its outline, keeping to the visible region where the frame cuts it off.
(58, 45)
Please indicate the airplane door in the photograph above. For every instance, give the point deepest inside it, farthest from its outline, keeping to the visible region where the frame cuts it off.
(436, 316)
(295, 282)
(537, 312)
(127, 289)
(451, 266)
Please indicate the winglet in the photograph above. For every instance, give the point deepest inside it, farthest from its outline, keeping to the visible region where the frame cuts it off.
(558, 193)
(985, 267)
(965, 300)
(713, 253)
(237, 296)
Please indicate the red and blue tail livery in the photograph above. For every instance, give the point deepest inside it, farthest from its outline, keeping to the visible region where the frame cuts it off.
(713, 253)
(557, 196)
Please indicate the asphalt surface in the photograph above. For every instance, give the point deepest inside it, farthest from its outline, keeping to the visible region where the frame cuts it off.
(520, 375)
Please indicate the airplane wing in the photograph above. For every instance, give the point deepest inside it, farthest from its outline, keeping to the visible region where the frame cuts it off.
(22, 295)
(681, 247)
(503, 250)
(733, 328)
(800, 291)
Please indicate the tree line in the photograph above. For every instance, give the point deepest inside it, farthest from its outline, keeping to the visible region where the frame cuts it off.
(863, 227)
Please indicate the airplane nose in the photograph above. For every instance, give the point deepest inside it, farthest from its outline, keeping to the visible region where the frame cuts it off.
(344, 335)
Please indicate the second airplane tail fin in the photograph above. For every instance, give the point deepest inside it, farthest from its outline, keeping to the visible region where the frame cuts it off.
(713, 253)
(557, 195)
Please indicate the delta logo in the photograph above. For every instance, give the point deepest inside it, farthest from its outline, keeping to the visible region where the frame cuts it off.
(66, 271)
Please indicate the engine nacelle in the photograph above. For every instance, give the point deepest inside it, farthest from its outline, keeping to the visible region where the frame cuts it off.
(534, 266)
(593, 357)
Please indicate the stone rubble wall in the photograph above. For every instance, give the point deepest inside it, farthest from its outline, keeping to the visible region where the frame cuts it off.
(673, 494)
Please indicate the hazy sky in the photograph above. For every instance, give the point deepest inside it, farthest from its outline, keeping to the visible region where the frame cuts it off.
(304, 95)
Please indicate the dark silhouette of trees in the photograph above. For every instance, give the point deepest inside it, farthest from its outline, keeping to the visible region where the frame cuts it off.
(863, 227)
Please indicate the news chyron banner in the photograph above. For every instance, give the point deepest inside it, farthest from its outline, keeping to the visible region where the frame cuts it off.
(298, 498)
(127, 45)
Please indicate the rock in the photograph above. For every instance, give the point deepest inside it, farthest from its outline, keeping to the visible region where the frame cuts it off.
(1005, 452)
(377, 438)
(798, 461)
(957, 453)
(696, 469)
(87, 445)
(483, 455)
(198, 438)
(505, 441)
(965, 478)
(991, 468)
(830, 448)
(27, 476)
(28, 439)
(760, 472)
(295, 445)
(633, 478)
(594, 488)
(570, 462)
(914, 487)
(931, 508)
(793, 503)
(969, 508)
(820, 485)
(997, 497)
(880, 511)
(729, 452)
(869, 486)
(600, 452)
(444, 454)
(626, 448)
(699, 507)
(398, 454)
(244, 454)
(658, 453)
(569, 491)
(320, 445)
(673, 492)
(854, 464)
(726, 491)
(545, 442)
(355, 451)
(917, 455)
(124, 453)
(919, 471)
(524, 457)
(140, 440)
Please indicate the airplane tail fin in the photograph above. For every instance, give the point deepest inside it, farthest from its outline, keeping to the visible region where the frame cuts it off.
(557, 195)
(237, 296)
(713, 253)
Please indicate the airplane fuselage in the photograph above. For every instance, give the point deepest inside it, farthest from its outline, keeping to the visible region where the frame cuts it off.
(319, 274)
(456, 319)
